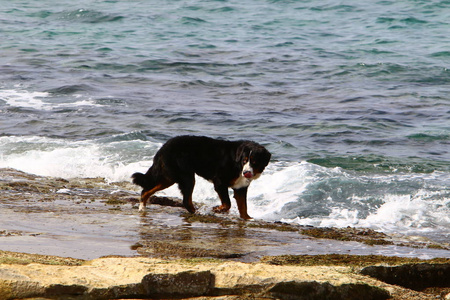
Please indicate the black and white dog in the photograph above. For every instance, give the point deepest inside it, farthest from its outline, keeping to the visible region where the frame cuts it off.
(225, 163)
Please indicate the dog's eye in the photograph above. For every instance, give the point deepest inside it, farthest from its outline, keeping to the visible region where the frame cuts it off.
(245, 160)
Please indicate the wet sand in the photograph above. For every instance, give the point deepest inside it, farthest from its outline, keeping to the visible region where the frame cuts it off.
(89, 218)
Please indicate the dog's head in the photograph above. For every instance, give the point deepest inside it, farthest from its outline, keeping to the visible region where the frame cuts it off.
(253, 158)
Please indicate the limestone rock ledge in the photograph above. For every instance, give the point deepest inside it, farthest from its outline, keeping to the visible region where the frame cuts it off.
(144, 278)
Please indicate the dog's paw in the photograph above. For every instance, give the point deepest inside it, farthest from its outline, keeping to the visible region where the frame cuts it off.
(141, 207)
(221, 209)
(245, 217)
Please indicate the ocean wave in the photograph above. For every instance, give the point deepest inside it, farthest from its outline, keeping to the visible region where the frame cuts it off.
(212, 83)
(443, 54)
(114, 160)
(87, 16)
(166, 66)
(339, 8)
(434, 74)
(223, 9)
(191, 20)
(381, 164)
(70, 89)
(430, 136)
(78, 15)
(409, 214)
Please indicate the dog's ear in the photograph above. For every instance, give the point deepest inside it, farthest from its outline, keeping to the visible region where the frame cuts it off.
(242, 152)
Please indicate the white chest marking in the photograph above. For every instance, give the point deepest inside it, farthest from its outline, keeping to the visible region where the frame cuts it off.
(241, 182)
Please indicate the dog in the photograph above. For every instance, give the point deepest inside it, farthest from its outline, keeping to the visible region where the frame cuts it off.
(227, 164)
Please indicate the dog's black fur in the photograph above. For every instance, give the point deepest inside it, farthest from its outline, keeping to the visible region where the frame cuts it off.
(225, 163)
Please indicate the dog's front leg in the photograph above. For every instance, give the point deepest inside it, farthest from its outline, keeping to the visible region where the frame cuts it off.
(222, 191)
(187, 187)
(241, 199)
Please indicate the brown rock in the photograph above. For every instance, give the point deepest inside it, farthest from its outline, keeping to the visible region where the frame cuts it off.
(315, 290)
(412, 276)
(115, 278)
(187, 284)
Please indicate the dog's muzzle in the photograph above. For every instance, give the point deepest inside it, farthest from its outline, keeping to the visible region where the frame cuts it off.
(247, 171)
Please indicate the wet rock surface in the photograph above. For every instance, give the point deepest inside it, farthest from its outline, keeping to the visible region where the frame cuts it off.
(69, 222)
(88, 218)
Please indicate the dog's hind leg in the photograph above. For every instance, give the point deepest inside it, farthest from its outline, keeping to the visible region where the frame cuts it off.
(187, 187)
(147, 193)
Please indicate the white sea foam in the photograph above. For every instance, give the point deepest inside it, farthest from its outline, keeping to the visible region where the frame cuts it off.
(280, 184)
(41, 100)
(21, 98)
(403, 214)
(68, 159)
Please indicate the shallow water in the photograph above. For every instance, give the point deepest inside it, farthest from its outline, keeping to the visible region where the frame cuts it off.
(70, 231)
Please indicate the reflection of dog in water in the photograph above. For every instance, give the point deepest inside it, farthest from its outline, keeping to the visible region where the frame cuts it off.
(225, 163)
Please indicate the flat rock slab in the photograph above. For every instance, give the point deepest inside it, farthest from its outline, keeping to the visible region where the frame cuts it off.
(139, 277)
(87, 218)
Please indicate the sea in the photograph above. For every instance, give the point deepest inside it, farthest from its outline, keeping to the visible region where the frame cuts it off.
(350, 97)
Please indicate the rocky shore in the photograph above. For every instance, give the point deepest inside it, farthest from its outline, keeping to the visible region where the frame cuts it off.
(91, 243)
(271, 278)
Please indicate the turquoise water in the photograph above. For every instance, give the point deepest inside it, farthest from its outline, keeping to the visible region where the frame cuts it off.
(351, 98)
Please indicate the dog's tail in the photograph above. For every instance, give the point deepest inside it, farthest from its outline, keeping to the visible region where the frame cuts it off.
(141, 179)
